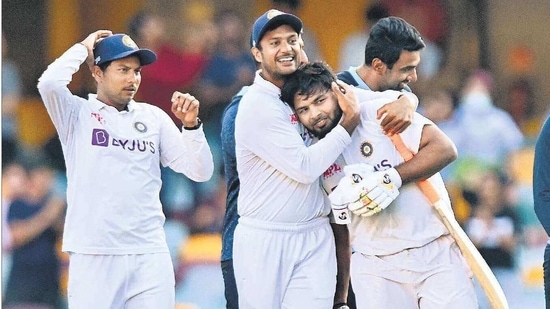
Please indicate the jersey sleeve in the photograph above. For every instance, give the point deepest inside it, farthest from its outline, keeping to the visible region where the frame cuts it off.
(185, 152)
(62, 106)
(269, 134)
(331, 177)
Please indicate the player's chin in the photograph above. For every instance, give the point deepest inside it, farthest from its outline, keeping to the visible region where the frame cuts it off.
(320, 133)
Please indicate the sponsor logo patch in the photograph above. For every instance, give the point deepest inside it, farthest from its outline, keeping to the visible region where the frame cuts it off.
(100, 137)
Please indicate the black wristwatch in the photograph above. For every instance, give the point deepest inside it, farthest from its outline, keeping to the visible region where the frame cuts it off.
(340, 306)
(199, 122)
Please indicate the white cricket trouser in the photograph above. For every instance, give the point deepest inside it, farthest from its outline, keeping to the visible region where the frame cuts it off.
(434, 276)
(284, 265)
(134, 281)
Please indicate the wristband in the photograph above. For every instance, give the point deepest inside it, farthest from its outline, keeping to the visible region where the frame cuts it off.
(199, 122)
(394, 176)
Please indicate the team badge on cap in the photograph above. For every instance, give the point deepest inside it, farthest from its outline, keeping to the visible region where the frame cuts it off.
(126, 40)
(273, 13)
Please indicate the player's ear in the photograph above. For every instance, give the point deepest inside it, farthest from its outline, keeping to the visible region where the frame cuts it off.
(378, 65)
(257, 54)
(97, 73)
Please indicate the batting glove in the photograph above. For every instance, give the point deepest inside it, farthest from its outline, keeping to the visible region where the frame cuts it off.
(348, 191)
(378, 190)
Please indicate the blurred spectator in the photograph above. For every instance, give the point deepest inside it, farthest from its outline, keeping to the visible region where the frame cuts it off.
(230, 68)
(439, 105)
(311, 46)
(488, 134)
(14, 179)
(35, 221)
(521, 106)
(352, 51)
(174, 69)
(11, 97)
(493, 229)
(199, 278)
(200, 34)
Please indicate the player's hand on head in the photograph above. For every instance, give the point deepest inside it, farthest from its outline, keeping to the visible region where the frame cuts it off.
(397, 115)
(376, 190)
(186, 108)
(348, 104)
(91, 41)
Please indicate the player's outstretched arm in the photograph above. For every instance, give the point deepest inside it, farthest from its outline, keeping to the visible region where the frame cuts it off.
(436, 151)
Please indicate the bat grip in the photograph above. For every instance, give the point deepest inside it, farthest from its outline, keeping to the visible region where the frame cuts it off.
(425, 186)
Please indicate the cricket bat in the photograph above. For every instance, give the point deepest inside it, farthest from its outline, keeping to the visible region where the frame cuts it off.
(481, 270)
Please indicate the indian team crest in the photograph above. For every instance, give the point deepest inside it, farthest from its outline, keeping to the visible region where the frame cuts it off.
(366, 149)
(140, 126)
(126, 40)
(273, 13)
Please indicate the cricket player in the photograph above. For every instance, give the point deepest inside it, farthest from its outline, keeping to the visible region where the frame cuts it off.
(403, 255)
(113, 147)
(283, 250)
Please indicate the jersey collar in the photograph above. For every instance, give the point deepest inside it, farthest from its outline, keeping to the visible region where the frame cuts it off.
(98, 105)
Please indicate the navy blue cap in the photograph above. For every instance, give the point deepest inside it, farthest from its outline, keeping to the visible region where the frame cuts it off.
(118, 46)
(271, 19)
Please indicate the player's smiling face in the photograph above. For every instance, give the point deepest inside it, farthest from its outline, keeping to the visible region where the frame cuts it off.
(319, 112)
(402, 72)
(280, 53)
(118, 84)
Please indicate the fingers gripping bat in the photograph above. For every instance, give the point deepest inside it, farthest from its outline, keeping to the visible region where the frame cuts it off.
(481, 270)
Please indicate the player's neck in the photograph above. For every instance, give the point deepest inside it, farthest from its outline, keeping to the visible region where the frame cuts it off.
(368, 75)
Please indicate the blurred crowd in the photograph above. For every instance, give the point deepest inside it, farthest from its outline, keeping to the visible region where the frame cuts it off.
(490, 182)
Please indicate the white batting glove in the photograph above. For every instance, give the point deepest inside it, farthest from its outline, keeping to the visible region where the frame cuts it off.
(348, 191)
(378, 190)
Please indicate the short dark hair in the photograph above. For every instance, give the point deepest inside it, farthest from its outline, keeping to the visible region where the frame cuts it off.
(389, 37)
(376, 12)
(307, 79)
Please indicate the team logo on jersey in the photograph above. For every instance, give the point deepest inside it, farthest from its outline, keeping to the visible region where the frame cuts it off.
(140, 126)
(366, 149)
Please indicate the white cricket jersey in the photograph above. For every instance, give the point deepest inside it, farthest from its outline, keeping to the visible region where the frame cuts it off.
(409, 221)
(113, 164)
(279, 173)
